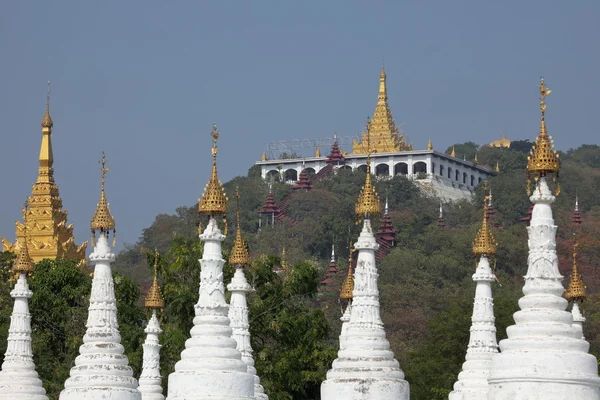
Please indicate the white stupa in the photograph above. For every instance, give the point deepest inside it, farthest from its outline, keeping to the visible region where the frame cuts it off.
(575, 292)
(150, 379)
(211, 367)
(544, 356)
(472, 381)
(365, 368)
(101, 370)
(18, 378)
(238, 306)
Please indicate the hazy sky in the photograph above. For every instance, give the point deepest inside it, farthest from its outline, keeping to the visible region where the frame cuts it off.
(144, 80)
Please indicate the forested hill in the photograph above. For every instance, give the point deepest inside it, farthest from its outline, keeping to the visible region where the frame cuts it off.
(425, 281)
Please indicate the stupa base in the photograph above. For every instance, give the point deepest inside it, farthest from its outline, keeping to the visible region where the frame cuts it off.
(542, 390)
(210, 384)
(365, 389)
(100, 393)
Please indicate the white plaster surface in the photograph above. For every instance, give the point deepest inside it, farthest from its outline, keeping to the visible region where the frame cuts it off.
(578, 318)
(211, 367)
(472, 381)
(18, 378)
(101, 370)
(150, 379)
(544, 356)
(365, 368)
(238, 314)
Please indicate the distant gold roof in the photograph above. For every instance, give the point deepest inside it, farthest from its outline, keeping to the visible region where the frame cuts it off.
(504, 142)
(385, 136)
(239, 254)
(153, 298)
(214, 200)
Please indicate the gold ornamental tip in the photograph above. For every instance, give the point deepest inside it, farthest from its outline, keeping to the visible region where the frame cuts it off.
(103, 220)
(347, 290)
(240, 255)
(47, 120)
(429, 145)
(23, 264)
(543, 159)
(368, 204)
(576, 289)
(154, 299)
(318, 152)
(214, 200)
(453, 153)
(485, 244)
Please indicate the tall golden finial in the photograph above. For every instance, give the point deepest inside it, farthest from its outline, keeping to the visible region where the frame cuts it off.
(264, 156)
(497, 166)
(485, 244)
(543, 159)
(47, 120)
(318, 152)
(576, 290)
(23, 264)
(154, 299)
(453, 153)
(347, 290)
(368, 204)
(239, 254)
(429, 145)
(475, 160)
(214, 200)
(103, 220)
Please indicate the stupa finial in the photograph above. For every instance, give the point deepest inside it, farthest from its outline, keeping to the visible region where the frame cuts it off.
(576, 289)
(453, 152)
(214, 200)
(485, 244)
(367, 204)
(543, 159)
(154, 299)
(47, 120)
(429, 145)
(23, 263)
(239, 254)
(103, 220)
(348, 285)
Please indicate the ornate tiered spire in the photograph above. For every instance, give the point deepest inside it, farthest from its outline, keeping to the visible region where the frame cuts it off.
(23, 264)
(214, 200)
(150, 379)
(270, 208)
(101, 370)
(239, 254)
(385, 134)
(576, 290)
(332, 269)
(103, 220)
(335, 157)
(543, 159)
(386, 231)
(367, 204)
(303, 181)
(472, 381)
(348, 285)
(576, 213)
(48, 234)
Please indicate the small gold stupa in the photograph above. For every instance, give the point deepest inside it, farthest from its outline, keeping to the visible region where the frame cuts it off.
(239, 254)
(214, 200)
(485, 243)
(347, 290)
(385, 136)
(576, 290)
(47, 233)
(154, 299)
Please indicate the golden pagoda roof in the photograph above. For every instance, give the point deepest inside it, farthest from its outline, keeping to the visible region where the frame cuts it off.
(485, 243)
(239, 254)
(347, 290)
(103, 220)
(503, 142)
(153, 298)
(23, 263)
(543, 159)
(214, 200)
(576, 289)
(368, 204)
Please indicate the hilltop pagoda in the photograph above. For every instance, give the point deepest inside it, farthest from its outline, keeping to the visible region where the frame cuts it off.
(48, 235)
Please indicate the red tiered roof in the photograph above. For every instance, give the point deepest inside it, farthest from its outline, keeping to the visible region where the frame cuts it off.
(528, 217)
(335, 157)
(331, 271)
(303, 182)
(576, 214)
(269, 207)
(386, 231)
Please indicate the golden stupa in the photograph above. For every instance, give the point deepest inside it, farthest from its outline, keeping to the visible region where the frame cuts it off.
(47, 232)
(385, 136)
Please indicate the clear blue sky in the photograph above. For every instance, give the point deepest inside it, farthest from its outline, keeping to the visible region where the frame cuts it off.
(144, 80)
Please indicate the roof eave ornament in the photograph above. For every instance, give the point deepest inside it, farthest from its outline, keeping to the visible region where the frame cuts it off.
(103, 220)
(214, 200)
(543, 159)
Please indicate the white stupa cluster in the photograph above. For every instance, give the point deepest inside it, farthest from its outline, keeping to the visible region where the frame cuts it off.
(545, 356)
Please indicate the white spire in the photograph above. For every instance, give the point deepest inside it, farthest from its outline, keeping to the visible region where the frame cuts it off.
(333, 253)
(544, 356)
(365, 368)
(101, 370)
(472, 382)
(576, 202)
(18, 378)
(578, 318)
(441, 211)
(210, 365)
(150, 379)
(238, 314)
(386, 202)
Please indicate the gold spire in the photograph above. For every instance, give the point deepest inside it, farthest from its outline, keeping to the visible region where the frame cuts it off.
(284, 265)
(497, 166)
(264, 156)
(475, 161)
(346, 293)
(453, 153)
(318, 152)
(23, 263)
(368, 204)
(153, 298)
(47, 120)
(429, 145)
(103, 220)
(239, 254)
(576, 289)
(485, 244)
(214, 200)
(543, 159)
